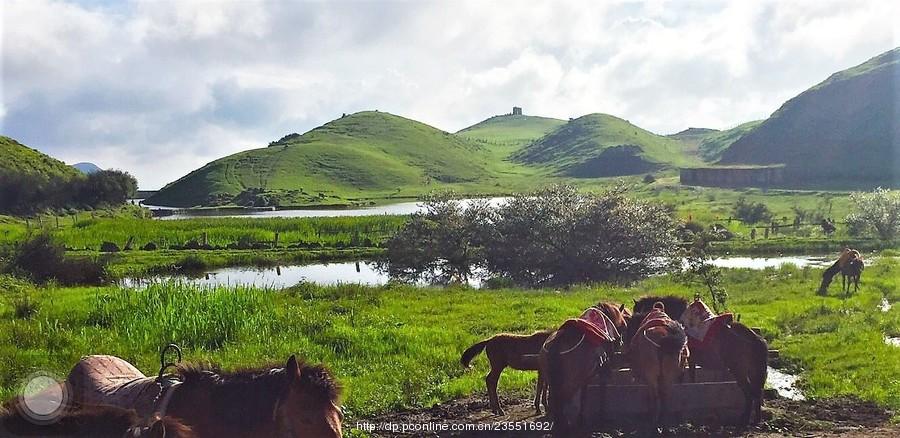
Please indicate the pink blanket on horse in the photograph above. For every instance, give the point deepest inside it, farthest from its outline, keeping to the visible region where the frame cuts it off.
(596, 326)
(108, 380)
(654, 318)
(702, 325)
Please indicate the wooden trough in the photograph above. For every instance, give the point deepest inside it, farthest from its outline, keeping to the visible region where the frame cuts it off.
(714, 399)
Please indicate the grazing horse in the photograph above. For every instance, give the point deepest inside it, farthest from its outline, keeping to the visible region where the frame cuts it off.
(297, 400)
(571, 357)
(850, 274)
(519, 352)
(90, 422)
(657, 351)
(734, 347)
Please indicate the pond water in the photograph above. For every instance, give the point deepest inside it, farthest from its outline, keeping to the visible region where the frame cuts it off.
(895, 341)
(785, 384)
(365, 272)
(401, 208)
(773, 262)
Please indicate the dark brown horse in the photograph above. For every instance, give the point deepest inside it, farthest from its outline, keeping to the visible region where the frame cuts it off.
(90, 422)
(569, 361)
(519, 352)
(850, 274)
(295, 401)
(656, 347)
(736, 348)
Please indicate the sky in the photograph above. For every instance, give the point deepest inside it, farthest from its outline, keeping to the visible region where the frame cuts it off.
(159, 88)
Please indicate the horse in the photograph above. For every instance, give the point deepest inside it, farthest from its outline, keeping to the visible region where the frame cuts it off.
(297, 400)
(736, 348)
(569, 360)
(519, 352)
(90, 422)
(851, 273)
(657, 351)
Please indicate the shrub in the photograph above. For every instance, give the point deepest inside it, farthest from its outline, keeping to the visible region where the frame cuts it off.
(878, 211)
(109, 247)
(42, 260)
(752, 212)
(24, 307)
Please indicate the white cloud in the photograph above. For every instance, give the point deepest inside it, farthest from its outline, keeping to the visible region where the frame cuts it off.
(162, 87)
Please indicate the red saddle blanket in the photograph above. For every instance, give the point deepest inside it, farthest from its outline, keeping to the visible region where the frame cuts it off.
(653, 319)
(109, 380)
(702, 325)
(596, 326)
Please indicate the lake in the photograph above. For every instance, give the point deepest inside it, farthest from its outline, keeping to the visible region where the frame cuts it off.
(365, 272)
(401, 208)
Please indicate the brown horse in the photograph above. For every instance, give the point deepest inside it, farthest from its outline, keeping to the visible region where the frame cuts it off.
(92, 422)
(519, 352)
(297, 400)
(736, 348)
(851, 273)
(657, 351)
(569, 361)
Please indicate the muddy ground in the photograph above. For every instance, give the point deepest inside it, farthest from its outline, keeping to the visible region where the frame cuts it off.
(847, 417)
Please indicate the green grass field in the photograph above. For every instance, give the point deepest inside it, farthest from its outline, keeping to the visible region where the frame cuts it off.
(399, 346)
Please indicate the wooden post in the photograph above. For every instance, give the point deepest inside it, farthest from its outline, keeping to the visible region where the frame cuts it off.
(57, 222)
(275, 245)
(40, 222)
(27, 224)
(205, 239)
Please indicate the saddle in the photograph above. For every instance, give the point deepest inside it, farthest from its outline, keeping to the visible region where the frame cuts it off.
(702, 325)
(596, 326)
(654, 318)
(109, 380)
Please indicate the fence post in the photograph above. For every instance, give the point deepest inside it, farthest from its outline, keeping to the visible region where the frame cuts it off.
(276, 241)
(205, 239)
(27, 224)
(40, 222)
(57, 222)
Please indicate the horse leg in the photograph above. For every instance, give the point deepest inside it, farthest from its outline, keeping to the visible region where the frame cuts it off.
(491, 380)
(539, 393)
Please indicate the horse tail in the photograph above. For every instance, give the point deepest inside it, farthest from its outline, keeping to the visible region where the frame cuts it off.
(554, 378)
(473, 351)
(674, 340)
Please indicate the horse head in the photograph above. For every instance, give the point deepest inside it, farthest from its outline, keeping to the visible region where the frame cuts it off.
(308, 405)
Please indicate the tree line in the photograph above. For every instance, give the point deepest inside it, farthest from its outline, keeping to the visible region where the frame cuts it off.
(29, 193)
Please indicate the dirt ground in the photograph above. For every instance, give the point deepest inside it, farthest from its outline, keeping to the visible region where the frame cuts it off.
(845, 417)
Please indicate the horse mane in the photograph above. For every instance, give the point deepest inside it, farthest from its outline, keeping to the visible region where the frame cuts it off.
(247, 397)
(674, 305)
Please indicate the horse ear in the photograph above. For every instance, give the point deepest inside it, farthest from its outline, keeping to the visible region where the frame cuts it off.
(622, 308)
(635, 301)
(292, 367)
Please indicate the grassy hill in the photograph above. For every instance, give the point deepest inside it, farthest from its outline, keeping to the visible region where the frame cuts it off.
(18, 158)
(510, 129)
(711, 147)
(692, 137)
(601, 145)
(87, 168)
(844, 130)
(367, 154)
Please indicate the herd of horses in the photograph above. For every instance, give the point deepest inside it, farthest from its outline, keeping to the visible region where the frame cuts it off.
(651, 338)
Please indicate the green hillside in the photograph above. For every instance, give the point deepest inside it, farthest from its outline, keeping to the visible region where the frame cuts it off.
(18, 158)
(692, 137)
(601, 145)
(713, 145)
(510, 129)
(364, 154)
(845, 130)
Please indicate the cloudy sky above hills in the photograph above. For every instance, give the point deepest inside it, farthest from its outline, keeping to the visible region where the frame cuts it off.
(160, 88)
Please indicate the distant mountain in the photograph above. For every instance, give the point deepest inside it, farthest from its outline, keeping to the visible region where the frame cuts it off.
(18, 158)
(845, 129)
(369, 153)
(601, 145)
(511, 129)
(87, 168)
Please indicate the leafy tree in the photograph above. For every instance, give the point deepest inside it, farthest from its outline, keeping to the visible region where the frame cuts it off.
(752, 212)
(700, 271)
(443, 243)
(878, 210)
(552, 236)
(561, 236)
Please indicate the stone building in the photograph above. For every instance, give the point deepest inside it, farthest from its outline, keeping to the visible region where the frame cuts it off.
(733, 176)
(517, 111)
